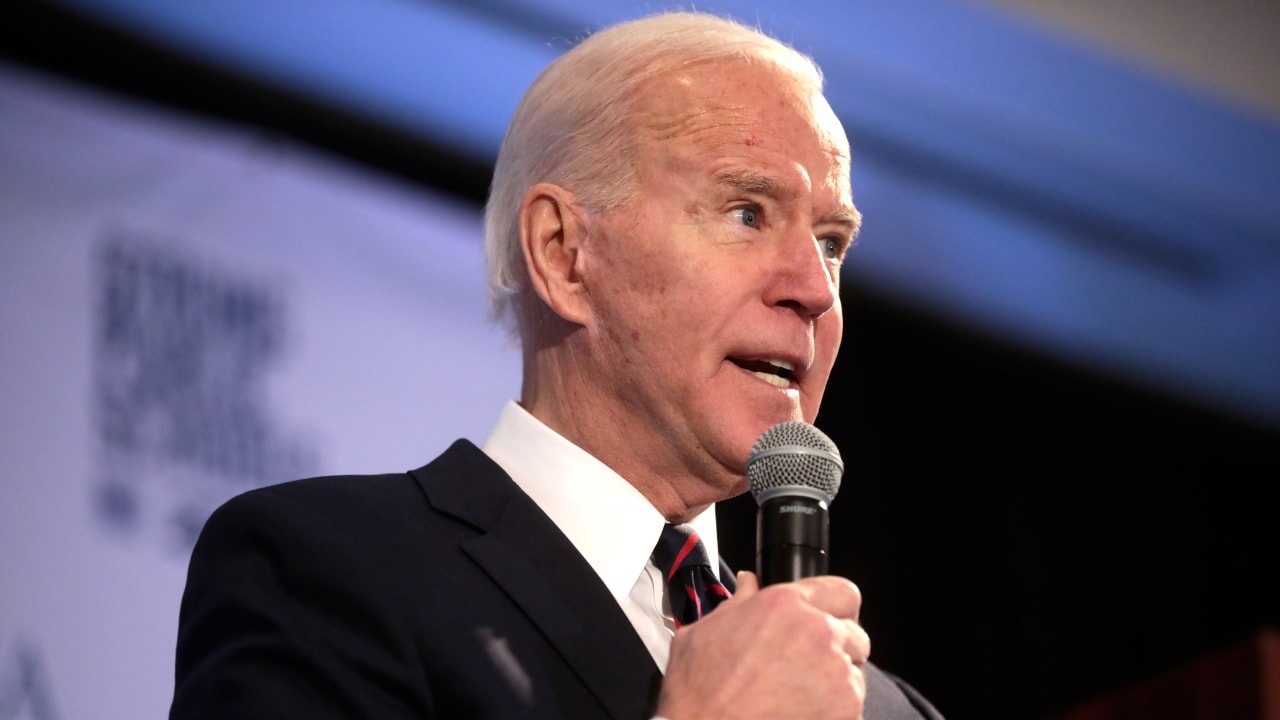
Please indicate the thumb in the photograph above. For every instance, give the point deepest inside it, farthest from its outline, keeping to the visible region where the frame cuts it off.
(748, 584)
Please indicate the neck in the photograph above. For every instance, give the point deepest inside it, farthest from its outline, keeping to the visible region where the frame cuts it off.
(559, 393)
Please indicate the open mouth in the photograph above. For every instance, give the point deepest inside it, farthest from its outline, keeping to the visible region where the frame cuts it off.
(778, 373)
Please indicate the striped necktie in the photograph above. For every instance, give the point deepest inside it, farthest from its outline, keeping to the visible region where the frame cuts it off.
(692, 587)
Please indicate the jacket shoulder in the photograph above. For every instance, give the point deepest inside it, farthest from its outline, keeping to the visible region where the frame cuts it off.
(353, 494)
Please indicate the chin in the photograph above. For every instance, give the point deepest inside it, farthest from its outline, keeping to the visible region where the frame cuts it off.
(739, 425)
(808, 411)
(751, 431)
(730, 487)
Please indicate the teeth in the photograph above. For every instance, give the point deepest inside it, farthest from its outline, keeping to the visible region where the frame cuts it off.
(775, 380)
(782, 364)
(778, 373)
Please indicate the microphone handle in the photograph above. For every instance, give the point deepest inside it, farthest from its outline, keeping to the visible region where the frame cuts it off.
(792, 537)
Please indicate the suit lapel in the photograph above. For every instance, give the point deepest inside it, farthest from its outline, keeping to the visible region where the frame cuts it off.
(539, 569)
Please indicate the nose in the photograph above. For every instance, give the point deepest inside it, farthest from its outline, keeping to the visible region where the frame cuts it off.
(803, 278)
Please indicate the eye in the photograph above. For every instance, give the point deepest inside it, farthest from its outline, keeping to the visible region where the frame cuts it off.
(749, 216)
(832, 248)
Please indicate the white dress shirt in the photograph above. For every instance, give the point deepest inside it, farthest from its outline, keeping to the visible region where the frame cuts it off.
(604, 516)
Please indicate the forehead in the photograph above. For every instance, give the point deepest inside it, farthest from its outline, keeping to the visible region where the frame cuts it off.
(751, 111)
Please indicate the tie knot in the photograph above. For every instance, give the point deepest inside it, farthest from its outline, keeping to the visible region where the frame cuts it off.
(692, 588)
(679, 548)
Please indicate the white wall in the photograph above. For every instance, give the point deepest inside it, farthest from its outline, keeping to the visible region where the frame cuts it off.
(187, 311)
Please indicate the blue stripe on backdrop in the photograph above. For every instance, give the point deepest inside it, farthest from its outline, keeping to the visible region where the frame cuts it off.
(1011, 180)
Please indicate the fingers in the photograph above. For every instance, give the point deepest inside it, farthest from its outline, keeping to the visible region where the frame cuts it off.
(853, 640)
(788, 650)
(824, 609)
(835, 596)
(838, 601)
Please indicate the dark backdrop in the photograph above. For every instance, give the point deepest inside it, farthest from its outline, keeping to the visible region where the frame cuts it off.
(1026, 533)
(1029, 534)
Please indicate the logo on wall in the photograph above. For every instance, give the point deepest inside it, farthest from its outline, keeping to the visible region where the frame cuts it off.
(182, 351)
(24, 690)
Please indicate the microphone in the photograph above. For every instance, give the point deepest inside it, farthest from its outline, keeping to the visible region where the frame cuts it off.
(794, 471)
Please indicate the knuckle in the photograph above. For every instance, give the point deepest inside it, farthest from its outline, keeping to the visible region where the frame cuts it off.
(848, 587)
(779, 597)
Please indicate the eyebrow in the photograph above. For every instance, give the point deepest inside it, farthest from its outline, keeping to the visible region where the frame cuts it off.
(751, 182)
(748, 181)
(847, 216)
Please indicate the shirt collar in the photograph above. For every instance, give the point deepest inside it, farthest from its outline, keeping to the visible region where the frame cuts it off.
(606, 518)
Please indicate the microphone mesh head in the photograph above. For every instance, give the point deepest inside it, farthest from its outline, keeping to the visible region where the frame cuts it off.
(794, 454)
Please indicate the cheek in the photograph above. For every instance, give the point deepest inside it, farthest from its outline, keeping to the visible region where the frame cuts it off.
(624, 255)
(828, 335)
(834, 333)
(634, 294)
(653, 279)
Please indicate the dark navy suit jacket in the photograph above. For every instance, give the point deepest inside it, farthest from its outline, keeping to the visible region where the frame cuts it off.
(441, 593)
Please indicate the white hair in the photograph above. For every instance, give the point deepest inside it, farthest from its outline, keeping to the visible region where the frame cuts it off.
(572, 127)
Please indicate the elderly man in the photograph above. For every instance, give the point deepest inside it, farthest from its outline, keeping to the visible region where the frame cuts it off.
(669, 214)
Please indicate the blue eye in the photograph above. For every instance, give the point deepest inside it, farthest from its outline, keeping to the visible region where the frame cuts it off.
(749, 216)
(831, 248)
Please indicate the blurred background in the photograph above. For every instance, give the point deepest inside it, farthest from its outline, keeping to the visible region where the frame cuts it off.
(240, 243)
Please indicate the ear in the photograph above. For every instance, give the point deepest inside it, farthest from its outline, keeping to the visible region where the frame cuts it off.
(551, 236)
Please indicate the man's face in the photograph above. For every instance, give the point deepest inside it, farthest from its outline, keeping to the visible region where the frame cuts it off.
(715, 290)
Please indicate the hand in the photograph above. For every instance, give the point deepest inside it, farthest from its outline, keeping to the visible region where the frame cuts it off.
(791, 650)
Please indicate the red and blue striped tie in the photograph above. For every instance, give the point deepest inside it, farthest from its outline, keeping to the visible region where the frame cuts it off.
(692, 587)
